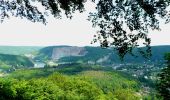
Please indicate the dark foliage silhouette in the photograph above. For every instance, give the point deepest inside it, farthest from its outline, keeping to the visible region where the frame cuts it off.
(164, 80)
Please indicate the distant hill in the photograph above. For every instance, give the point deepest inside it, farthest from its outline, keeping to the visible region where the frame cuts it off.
(14, 61)
(96, 55)
(19, 50)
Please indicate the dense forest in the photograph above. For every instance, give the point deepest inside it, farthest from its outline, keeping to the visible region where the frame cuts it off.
(12, 62)
(70, 83)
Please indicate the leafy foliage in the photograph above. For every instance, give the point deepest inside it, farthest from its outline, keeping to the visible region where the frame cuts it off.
(29, 74)
(26, 8)
(123, 23)
(8, 62)
(4, 66)
(87, 85)
(67, 69)
(29, 90)
(164, 80)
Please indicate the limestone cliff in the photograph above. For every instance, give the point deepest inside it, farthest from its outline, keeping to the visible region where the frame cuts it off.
(58, 53)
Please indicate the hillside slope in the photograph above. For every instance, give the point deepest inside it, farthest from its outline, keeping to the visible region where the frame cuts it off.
(19, 50)
(8, 62)
(96, 55)
(87, 83)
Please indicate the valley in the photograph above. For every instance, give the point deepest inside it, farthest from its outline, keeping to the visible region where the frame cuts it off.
(135, 75)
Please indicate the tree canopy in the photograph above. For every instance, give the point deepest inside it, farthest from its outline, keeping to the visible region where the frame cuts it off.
(122, 23)
(163, 85)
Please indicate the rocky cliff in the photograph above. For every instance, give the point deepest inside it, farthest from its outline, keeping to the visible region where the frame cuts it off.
(58, 53)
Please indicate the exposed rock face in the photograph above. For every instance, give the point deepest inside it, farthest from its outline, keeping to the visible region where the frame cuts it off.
(67, 51)
(104, 59)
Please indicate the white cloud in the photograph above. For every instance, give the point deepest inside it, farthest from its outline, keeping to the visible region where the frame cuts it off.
(161, 37)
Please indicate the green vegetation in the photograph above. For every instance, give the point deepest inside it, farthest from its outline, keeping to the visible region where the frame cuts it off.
(163, 84)
(95, 53)
(14, 61)
(78, 80)
(55, 87)
(29, 73)
(49, 84)
(4, 66)
(67, 69)
(46, 53)
(18, 50)
(77, 68)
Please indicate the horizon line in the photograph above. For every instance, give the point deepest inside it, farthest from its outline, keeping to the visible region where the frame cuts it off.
(68, 45)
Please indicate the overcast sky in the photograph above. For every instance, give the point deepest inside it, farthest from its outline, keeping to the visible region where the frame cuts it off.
(75, 32)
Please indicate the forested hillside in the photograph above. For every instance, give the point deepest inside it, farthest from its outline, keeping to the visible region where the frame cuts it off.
(8, 62)
(19, 50)
(101, 55)
(86, 83)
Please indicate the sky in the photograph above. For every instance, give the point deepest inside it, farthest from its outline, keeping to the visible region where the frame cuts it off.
(75, 32)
